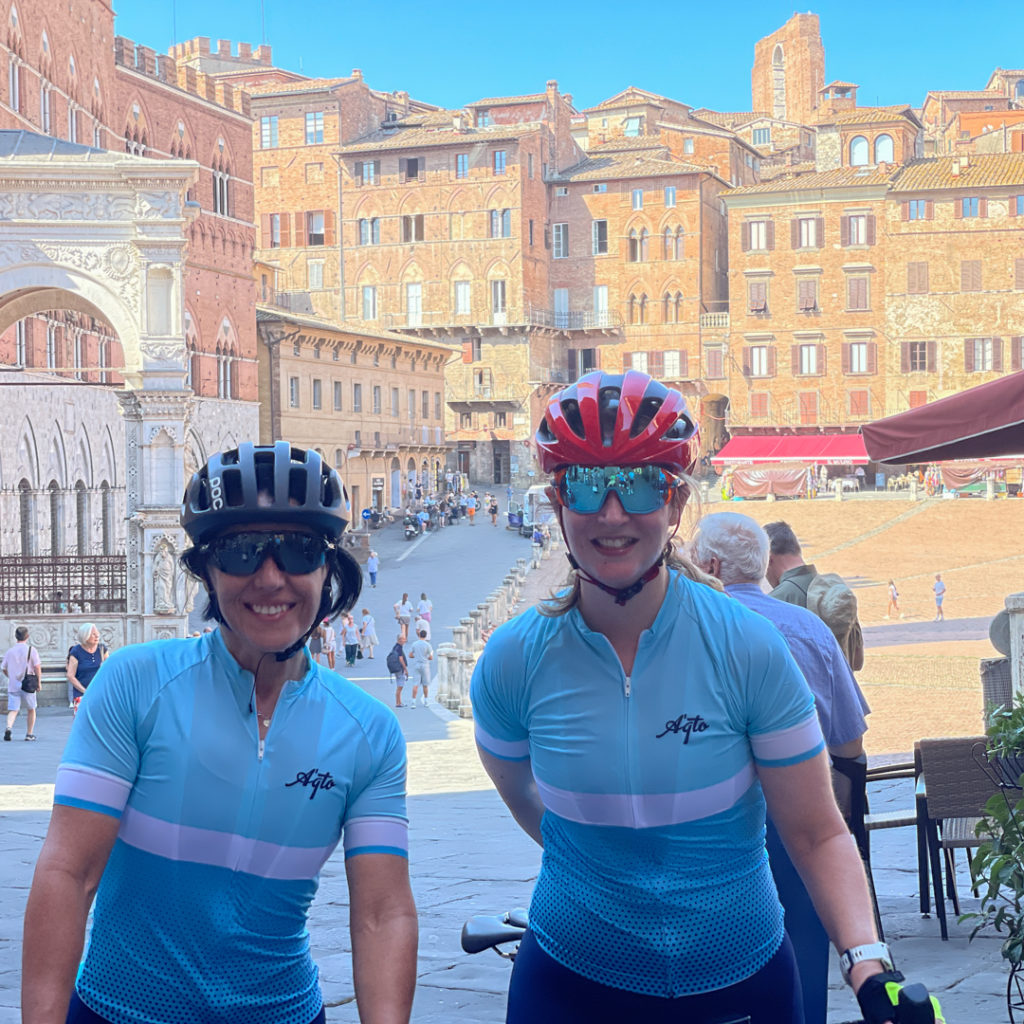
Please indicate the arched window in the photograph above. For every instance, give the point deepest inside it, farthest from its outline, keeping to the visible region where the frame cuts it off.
(679, 243)
(858, 151)
(679, 307)
(642, 309)
(884, 150)
(666, 312)
(643, 245)
(667, 247)
(632, 309)
(634, 246)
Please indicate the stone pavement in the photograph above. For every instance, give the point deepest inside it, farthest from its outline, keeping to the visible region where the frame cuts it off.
(468, 856)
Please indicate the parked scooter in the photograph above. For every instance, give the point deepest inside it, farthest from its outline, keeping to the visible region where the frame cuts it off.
(411, 525)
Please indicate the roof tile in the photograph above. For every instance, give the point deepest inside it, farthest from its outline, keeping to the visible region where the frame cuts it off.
(988, 170)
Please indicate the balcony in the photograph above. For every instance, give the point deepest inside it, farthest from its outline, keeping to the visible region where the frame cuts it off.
(294, 302)
(714, 321)
(531, 316)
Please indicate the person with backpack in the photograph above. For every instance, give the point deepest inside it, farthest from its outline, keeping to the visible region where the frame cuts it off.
(826, 594)
(22, 668)
(399, 669)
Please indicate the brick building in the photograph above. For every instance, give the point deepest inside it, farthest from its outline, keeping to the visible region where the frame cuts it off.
(370, 401)
(861, 292)
(789, 70)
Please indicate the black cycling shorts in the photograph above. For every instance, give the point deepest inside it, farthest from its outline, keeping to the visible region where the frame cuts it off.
(79, 1013)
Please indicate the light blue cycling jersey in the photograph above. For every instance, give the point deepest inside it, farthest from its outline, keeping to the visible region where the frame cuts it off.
(654, 877)
(201, 912)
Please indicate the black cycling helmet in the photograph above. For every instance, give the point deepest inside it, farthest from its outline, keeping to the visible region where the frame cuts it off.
(276, 483)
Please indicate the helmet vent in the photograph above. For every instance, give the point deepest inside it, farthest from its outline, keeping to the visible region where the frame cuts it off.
(571, 411)
(646, 411)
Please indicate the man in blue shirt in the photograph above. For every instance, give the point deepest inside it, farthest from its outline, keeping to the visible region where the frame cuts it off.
(735, 549)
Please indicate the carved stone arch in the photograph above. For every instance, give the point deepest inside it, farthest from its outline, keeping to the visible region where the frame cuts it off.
(411, 204)
(108, 463)
(457, 201)
(367, 274)
(411, 271)
(26, 290)
(497, 197)
(636, 286)
(460, 271)
(365, 208)
(778, 55)
(221, 157)
(82, 464)
(26, 465)
(57, 458)
(497, 268)
(669, 219)
(137, 124)
(638, 222)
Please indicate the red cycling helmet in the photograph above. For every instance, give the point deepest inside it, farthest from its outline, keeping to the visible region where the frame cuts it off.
(617, 420)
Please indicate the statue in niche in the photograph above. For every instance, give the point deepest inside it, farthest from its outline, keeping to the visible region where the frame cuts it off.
(163, 578)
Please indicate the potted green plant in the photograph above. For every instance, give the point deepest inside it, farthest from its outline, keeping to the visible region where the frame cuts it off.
(998, 865)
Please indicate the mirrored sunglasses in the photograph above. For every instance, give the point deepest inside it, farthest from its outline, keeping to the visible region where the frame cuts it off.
(640, 489)
(241, 554)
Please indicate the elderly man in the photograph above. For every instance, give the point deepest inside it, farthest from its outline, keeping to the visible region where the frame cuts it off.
(791, 576)
(735, 549)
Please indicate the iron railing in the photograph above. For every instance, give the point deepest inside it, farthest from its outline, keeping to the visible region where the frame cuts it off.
(63, 584)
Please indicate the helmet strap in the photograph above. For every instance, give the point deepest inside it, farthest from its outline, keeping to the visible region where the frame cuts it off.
(621, 594)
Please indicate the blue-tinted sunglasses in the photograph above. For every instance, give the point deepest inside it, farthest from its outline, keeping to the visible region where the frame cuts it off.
(640, 489)
(241, 554)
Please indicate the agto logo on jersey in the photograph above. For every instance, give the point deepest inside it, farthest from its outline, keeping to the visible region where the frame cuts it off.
(688, 725)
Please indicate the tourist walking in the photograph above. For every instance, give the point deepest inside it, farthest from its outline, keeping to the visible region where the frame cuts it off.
(403, 614)
(471, 504)
(940, 592)
(368, 634)
(20, 663)
(330, 640)
(350, 637)
(316, 644)
(398, 666)
(424, 607)
(492, 509)
(892, 610)
(84, 660)
(372, 567)
(212, 778)
(421, 654)
(649, 799)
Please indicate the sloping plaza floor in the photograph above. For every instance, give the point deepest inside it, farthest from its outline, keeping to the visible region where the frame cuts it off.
(469, 857)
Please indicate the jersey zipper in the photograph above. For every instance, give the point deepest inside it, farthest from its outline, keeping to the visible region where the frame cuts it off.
(627, 689)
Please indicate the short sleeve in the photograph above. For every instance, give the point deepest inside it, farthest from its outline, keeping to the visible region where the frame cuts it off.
(496, 695)
(848, 704)
(101, 759)
(375, 819)
(782, 723)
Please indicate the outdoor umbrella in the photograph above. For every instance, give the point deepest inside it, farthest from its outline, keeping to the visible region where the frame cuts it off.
(983, 422)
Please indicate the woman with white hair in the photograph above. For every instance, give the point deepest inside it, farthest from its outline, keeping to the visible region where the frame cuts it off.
(84, 660)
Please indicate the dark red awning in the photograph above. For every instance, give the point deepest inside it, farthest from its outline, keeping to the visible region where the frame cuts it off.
(983, 422)
(818, 449)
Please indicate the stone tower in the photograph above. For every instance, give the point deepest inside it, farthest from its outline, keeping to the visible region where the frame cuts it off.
(789, 69)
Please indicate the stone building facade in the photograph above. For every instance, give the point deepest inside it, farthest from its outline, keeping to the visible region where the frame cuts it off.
(370, 401)
(860, 293)
(71, 78)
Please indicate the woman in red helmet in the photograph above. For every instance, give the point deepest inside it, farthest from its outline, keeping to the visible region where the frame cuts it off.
(635, 726)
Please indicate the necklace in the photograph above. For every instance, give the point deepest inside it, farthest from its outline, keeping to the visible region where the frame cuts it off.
(264, 719)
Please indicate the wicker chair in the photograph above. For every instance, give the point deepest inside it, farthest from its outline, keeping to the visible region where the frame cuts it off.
(952, 792)
(996, 683)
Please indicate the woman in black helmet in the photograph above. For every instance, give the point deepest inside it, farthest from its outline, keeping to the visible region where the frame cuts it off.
(209, 780)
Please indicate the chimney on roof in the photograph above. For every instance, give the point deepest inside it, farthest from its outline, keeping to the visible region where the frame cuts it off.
(954, 167)
(357, 73)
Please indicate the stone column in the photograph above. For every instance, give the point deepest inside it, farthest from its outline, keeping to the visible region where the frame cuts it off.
(475, 615)
(459, 638)
(1015, 606)
(990, 490)
(468, 624)
(466, 663)
(443, 681)
(159, 597)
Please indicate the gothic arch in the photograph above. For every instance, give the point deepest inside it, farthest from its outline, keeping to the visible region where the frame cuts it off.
(108, 467)
(456, 201)
(27, 465)
(410, 271)
(57, 458)
(497, 268)
(81, 466)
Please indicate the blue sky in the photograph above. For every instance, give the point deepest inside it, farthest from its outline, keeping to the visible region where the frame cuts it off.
(454, 52)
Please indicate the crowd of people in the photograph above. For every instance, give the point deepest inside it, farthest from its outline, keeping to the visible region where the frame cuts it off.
(642, 725)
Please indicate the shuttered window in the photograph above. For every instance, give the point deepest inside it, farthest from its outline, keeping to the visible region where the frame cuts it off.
(857, 293)
(970, 275)
(917, 278)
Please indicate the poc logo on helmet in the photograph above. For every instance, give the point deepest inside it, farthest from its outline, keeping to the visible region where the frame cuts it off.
(216, 493)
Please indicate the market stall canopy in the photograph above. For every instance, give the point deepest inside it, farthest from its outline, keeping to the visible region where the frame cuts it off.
(983, 422)
(820, 449)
